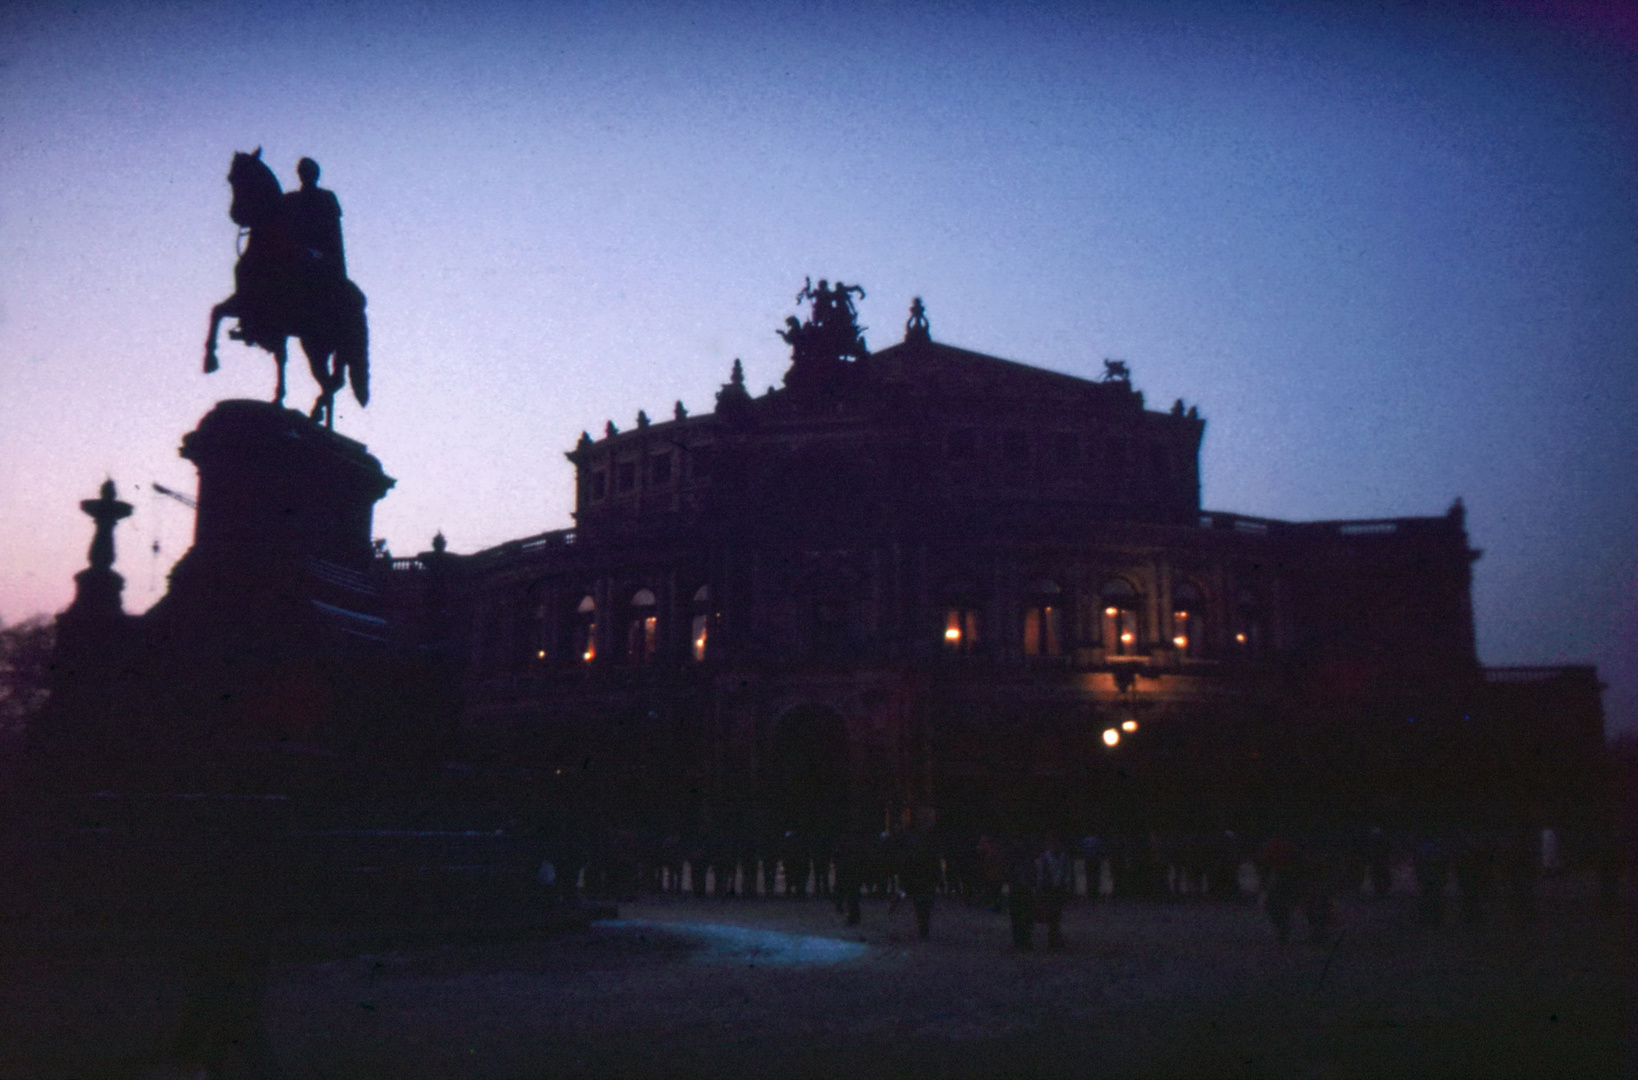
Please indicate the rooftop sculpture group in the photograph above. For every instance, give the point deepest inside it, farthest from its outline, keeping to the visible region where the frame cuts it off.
(822, 346)
(291, 281)
(832, 332)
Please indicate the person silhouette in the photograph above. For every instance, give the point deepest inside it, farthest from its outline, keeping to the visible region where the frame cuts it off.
(315, 224)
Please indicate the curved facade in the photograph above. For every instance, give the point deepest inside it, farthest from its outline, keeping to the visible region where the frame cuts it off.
(939, 580)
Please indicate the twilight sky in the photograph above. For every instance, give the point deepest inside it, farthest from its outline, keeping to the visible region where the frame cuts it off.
(1391, 252)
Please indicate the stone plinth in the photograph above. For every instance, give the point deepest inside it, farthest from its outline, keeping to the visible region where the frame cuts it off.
(282, 529)
(274, 484)
(95, 614)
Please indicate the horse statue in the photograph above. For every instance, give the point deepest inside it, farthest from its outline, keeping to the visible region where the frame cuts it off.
(282, 290)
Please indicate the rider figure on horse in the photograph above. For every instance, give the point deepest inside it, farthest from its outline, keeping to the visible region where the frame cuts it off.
(315, 224)
(291, 281)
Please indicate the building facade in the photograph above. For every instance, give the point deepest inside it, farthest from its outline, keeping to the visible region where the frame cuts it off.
(928, 580)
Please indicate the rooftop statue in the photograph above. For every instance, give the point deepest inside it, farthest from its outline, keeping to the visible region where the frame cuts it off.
(291, 281)
(830, 337)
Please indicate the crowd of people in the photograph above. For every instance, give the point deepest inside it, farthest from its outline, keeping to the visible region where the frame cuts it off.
(1032, 877)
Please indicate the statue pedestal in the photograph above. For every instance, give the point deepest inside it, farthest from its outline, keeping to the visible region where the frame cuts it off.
(96, 603)
(275, 485)
(282, 531)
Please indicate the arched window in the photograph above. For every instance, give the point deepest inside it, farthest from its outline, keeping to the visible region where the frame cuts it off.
(1120, 617)
(493, 645)
(585, 630)
(538, 620)
(835, 608)
(540, 629)
(1042, 608)
(959, 630)
(1188, 619)
(702, 628)
(1248, 623)
(642, 629)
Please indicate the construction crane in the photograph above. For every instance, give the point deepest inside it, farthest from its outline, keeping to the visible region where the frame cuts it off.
(190, 503)
(185, 500)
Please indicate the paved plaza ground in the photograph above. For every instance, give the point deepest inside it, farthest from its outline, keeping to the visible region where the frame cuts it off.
(778, 987)
(781, 988)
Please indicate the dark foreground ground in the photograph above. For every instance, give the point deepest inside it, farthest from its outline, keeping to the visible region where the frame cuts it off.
(777, 988)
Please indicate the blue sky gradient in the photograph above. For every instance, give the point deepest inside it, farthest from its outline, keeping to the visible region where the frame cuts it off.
(1390, 251)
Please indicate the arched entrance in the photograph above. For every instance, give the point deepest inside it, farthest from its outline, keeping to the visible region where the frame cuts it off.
(806, 781)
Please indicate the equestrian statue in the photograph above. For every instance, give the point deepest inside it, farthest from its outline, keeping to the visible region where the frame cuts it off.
(291, 281)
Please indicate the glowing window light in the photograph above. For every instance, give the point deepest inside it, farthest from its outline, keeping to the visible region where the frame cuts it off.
(1129, 725)
(1110, 736)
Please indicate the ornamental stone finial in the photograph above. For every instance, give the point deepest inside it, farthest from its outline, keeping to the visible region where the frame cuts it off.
(84, 628)
(917, 329)
(107, 512)
(733, 397)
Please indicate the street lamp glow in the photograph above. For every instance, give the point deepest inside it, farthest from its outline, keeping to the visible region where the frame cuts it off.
(1110, 737)
(1130, 725)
